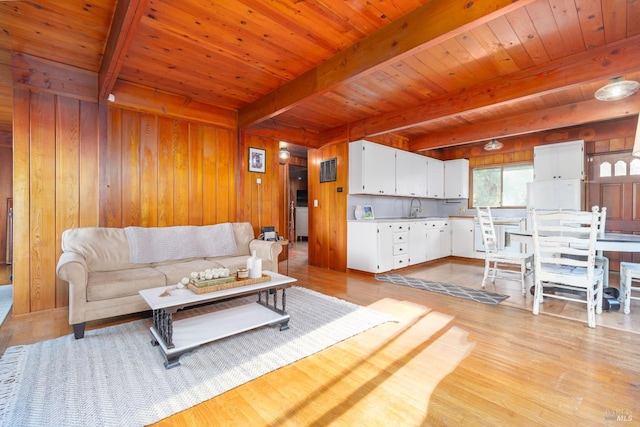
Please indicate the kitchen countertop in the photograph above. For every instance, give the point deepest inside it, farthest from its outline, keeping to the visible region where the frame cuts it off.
(496, 220)
(428, 218)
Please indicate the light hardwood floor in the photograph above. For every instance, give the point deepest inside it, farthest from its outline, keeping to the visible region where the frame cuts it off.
(447, 361)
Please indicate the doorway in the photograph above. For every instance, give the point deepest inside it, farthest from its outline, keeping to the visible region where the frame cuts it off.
(6, 230)
(299, 196)
(294, 215)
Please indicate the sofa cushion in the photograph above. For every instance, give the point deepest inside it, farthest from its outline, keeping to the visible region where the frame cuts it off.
(104, 248)
(105, 285)
(158, 244)
(243, 232)
(175, 271)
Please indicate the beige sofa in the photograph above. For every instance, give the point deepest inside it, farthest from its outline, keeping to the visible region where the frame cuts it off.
(104, 282)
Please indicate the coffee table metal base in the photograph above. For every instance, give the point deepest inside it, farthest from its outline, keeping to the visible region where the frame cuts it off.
(182, 336)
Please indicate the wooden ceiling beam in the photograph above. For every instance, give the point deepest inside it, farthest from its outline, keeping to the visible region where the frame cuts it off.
(123, 27)
(143, 98)
(542, 120)
(426, 26)
(599, 63)
(283, 132)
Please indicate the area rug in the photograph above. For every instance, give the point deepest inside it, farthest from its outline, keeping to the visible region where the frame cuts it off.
(476, 295)
(6, 301)
(114, 377)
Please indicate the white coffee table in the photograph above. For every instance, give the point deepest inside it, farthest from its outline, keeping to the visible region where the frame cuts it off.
(179, 337)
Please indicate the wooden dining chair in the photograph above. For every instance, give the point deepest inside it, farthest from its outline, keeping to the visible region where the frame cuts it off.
(496, 261)
(564, 258)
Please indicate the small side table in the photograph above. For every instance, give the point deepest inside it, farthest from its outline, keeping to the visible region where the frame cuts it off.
(285, 244)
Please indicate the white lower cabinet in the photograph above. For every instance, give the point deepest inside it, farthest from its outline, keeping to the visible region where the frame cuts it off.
(462, 237)
(378, 247)
(370, 246)
(438, 239)
(417, 242)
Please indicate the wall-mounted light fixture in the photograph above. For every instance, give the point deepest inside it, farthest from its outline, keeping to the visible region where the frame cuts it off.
(284, 153)
(492, 145)
(617, 89)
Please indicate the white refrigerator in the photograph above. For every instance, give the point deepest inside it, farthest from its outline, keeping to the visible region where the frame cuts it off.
(556, 194)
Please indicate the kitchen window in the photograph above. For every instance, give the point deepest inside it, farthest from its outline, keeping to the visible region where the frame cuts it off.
(501, 186)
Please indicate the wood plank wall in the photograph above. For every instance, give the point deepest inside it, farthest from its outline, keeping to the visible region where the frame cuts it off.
(160, 171)
(328, 221)
(261, 203)
(147, 171)
(55, 182)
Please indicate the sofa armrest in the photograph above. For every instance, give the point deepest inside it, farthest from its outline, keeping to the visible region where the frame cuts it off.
(72, 267)
(266, 249)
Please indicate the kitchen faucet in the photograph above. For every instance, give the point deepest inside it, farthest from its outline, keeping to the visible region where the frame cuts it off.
(412, 213)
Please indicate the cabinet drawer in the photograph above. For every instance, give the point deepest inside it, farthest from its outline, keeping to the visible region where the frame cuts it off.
(400, 249)
(399, 227)
(400, 261)
(401, 237)
(437, 224)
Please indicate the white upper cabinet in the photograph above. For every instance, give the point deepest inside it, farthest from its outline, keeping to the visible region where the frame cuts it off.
(411, 174)
(435, 178)
(559, 161)
(456, 179)
(372, 168)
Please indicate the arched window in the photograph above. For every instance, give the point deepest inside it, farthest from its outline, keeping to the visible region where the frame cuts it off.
(605, 169)
(634, 167)
(621, 168)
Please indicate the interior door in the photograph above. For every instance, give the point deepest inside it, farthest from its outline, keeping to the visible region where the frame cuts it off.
(615, 184)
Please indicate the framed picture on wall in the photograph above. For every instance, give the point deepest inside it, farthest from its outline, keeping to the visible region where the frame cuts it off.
(257, 160)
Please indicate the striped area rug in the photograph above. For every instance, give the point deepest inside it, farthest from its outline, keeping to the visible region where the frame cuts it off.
(476, 295)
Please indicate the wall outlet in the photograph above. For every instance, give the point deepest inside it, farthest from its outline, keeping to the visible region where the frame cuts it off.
(461, 209)
(259, 181)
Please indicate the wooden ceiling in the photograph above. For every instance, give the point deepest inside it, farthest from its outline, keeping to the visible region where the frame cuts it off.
(438, 73)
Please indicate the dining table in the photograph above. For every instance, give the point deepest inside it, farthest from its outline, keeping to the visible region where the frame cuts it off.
(618, 242)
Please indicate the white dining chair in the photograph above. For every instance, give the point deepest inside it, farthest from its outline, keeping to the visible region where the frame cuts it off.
(564, 258)
(496, 261)
(601, 260)
(629, 276)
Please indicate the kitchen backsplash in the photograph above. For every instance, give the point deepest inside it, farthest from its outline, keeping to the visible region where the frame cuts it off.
(398, 207)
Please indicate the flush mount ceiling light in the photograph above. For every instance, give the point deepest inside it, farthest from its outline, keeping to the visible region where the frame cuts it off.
(617, 89)
(284, 153)
(494, 144)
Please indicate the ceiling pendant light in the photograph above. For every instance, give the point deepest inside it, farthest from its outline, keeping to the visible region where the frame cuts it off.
(617, 89)
(284, 153)
(494, 144)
